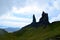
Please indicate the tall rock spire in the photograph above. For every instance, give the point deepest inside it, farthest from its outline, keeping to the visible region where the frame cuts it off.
(34, 19)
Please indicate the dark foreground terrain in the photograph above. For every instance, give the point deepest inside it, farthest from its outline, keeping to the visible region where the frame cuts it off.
(51, 32)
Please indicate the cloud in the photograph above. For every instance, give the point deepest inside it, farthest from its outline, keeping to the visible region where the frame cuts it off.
(55, 18)
(31, 9)
(11, 11)
(11, 17)
(26, 10)
(9, 21)
(56, 4)
(6, 5)
(13, 24)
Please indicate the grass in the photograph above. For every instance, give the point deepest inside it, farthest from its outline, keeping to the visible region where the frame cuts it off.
(31, 33)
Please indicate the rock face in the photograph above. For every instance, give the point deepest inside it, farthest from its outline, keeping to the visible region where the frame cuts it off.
(44, 19)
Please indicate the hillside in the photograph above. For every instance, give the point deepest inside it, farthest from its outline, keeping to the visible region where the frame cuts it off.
(3, 32)
(31, 33)
(40, 33)
(42, 30)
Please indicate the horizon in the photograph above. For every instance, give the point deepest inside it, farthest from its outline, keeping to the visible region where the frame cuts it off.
(18, 13)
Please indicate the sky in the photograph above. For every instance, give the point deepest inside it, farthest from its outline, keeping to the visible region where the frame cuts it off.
(18, 13)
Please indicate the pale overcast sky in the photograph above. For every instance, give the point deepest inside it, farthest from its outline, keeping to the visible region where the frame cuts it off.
(18, 13)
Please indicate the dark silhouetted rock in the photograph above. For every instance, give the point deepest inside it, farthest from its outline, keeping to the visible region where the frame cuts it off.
(34, 21)
(44, 19)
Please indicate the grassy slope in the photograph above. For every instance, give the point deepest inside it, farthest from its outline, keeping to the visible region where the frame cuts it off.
(31, 33)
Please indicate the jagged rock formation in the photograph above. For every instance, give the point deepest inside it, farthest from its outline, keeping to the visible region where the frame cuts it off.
(44, 19)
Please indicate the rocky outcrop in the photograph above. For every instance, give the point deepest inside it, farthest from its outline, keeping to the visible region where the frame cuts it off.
(44, 19)
(34, 21)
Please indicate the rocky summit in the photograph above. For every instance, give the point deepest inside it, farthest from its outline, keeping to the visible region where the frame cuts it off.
(44, 20)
